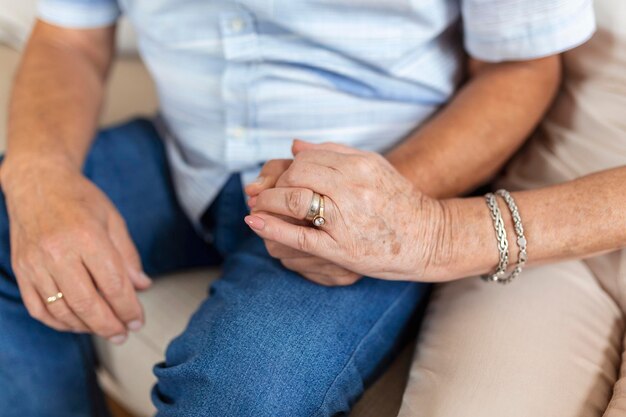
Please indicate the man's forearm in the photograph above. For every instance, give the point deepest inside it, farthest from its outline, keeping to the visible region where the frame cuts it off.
(469, 140)
(56, 98)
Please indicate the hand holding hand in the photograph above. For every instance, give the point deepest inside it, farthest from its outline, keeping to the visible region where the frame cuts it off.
(312, 267)
(377, 224)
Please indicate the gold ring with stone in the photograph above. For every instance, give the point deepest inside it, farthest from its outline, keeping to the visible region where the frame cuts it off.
(54, 298)
(319, 220)
(314, 207)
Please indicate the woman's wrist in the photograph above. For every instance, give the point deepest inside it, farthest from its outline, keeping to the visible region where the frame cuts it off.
(432, 247)
(465, 244)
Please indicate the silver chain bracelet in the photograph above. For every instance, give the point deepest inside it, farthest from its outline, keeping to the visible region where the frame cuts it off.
(522, 256)
(496, 215)
(503, 243)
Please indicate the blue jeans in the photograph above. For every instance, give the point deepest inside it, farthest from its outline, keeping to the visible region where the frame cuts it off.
(265, 343)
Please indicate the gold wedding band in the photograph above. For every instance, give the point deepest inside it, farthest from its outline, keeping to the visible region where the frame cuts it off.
(54, 298)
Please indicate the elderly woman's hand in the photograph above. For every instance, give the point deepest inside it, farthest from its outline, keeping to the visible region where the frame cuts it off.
(377, 224)
(312, 267)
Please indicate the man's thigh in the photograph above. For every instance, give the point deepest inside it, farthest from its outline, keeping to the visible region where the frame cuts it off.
(548, 345)
(48, 373)
(267, 342)
(128, 163)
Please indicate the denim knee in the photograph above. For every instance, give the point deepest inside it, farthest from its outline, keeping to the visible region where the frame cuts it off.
(247, 366)
(269, 343)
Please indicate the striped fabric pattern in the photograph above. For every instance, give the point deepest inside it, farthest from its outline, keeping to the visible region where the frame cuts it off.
(238, 80)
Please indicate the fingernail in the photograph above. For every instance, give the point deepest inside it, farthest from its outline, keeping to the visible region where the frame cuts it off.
(134, 325)
(118, 339)
(255, 222)
(251, 202)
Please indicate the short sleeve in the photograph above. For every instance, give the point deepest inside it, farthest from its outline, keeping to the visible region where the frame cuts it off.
(79, 13)
(509, 30)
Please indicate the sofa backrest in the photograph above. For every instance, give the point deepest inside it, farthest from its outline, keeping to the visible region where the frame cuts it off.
(17, 18)
(585, 130)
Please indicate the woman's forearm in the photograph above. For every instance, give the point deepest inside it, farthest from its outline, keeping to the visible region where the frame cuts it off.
(467, 142)
(577, 219)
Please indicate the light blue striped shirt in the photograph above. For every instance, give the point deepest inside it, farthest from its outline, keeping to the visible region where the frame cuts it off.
(238, 80)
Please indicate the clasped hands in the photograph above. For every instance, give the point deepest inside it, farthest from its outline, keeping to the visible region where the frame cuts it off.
(377, 223)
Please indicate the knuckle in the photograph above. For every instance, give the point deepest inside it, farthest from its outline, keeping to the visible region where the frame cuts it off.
(36, 311)
(271, 248)
(117, 218)
(290, 177)
(113, 286)
(53, 244)
(302, 155)
(362, 164)
(82, 233)
(341, 282)
(303, 240)
(346, 278)
(82, 306)
(371, 156)
(315, 278)
(287, 264)
(294, 201)
(64, 315)
(368, 197)
(29, 258)
(21, 263)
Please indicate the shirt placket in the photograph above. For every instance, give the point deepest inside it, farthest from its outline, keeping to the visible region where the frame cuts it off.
(240, 48)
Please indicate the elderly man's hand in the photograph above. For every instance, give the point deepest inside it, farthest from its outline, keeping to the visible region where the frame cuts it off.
(377, 224)
(315, 268)
(66, 236)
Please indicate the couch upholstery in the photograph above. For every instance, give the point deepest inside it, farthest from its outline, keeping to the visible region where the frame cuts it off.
(125, 371)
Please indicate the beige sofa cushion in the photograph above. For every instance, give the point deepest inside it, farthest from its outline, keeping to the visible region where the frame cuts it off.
(585, 130)
(126, 371)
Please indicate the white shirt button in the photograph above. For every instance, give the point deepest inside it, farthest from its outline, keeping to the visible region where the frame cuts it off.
(238, 132)
(237, 25)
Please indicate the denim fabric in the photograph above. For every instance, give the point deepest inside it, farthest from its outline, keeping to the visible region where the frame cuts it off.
(44, 373)
(265, 343)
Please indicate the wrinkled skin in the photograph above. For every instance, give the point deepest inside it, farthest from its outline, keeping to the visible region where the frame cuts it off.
(67, 236)
(377, 225)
